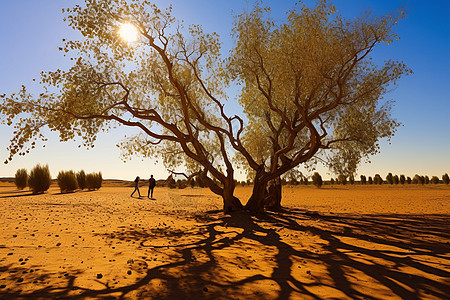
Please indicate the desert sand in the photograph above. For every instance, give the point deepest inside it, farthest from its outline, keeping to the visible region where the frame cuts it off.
(338, 242)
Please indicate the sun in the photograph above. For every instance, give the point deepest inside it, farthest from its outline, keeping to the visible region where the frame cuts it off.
(128, 32)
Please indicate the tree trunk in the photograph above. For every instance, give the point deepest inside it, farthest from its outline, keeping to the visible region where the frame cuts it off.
(230, 203)
(273, 197)
(256, 202)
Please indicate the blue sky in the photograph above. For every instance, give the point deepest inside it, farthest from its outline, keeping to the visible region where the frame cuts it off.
(31, 32)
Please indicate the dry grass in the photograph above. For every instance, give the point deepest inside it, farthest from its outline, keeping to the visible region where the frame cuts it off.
(352, 242)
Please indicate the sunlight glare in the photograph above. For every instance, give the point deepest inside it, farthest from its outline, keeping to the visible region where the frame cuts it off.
(128, 32)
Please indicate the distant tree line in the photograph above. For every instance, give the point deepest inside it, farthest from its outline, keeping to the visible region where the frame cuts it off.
(39, 180)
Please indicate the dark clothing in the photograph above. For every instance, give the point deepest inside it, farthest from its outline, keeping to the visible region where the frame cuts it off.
(136, 187)
(151, 186)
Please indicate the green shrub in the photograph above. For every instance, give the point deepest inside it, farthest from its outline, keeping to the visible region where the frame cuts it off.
(317, 180)
(81, 179)
(402, 179)
(39, 179)
(445, 178)
(67, 181)
(94, 181)
(21, 179)
(434, 180)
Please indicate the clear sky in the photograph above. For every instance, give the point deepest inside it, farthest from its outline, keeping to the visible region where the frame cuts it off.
(31, 32)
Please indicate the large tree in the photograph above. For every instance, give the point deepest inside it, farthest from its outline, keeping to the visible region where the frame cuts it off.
(308, 87)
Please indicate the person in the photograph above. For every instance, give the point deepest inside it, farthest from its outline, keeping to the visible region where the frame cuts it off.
(136, 187)
(151, 186)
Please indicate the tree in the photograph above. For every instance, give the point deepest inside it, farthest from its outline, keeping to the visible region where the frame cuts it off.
(434, 180)
(408, 180)
(445, 178)
(21, 179)
(39, 179)
(390, 178)
(317, 179)
(370, 180)
(332, 181)
(363, 179)
(342, 179)
(377, 179)
(81, 179)
(402, 179)
(309, 91)
(396, 179)
(427, 180)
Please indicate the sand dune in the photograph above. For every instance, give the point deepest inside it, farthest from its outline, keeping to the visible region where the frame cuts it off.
(352, 242)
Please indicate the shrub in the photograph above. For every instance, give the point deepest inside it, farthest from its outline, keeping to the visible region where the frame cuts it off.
(342, 179)
(81, 179)
(351, 179)
(418, 179)
(317, 180)
(67, 181)
(21, 179)
(396, 179)
(370, 180)
(445, 178)
(427, 180)
(402, 179)
(363, 179)
(377, 179)
(389, 178)
(434, 180)
(94, 181)
(408, 180)
(172, 183)
(39, 179)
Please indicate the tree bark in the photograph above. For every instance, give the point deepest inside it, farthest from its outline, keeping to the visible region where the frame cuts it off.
(273, 197)
(256, 202)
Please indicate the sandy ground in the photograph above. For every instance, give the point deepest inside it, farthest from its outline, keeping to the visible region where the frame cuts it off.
(352, 242)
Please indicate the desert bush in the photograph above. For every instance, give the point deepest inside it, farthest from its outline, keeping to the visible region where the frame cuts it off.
(402, 179)
(317, 179)
(181, 183)
(342, 179)
(417, 179)
(408, 180)
(363, 179)
(332, 181)
(351, 179)
(434, 180)
(390, 178)
(377, 179)
(94, 181)
(172, 183)
(427, 180)
(396, 179)
(67, 181)
(39, 179)
(81, 179)
(445, 178)
(21, 179)
(370, 180)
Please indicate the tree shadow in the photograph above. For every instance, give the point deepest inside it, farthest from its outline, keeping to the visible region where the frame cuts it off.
(241, 256)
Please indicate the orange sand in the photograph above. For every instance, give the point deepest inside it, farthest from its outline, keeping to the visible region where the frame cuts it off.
(352, 242)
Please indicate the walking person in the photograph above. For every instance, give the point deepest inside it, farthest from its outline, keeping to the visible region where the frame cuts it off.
(151, 186)
(136, 187)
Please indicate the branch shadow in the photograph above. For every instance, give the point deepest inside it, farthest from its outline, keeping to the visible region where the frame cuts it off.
(227, 257)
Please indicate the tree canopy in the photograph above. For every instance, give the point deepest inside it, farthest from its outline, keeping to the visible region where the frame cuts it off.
(310, 91)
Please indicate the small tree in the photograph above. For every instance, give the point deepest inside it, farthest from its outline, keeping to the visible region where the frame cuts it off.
(342, 179)
(408, 180)
(396, 179)
(427, 180)
(21, 179)
(363, 179)
(434, 180)
(378, 179)
(351, 179)
(402, 179)
(81, 179)
(370, 180)
(94, 181)
(445, 178)
(67, 181)
(389, 178)
(39, 179)
(317, 179)
(332, 180)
